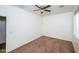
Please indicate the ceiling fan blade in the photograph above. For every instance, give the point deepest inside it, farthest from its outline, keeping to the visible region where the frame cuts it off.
(48, 10)
(47, 6)
(38, 6)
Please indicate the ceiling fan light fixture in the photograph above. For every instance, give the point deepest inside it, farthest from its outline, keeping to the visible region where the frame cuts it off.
(41, 12)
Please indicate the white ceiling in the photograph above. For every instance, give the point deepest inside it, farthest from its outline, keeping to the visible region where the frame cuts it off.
(55, 9)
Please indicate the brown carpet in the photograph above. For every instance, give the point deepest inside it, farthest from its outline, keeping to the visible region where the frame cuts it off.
(46, 44)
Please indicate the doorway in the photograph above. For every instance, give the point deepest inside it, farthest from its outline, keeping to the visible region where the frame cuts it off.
(2, 34)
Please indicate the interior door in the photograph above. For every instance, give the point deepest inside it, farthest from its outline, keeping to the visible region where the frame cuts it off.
(2, 34)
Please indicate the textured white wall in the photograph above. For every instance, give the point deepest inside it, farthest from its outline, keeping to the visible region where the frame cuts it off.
(58, 26)
(22, 26)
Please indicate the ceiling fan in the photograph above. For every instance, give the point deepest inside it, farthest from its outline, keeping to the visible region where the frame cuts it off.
(43, 8)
